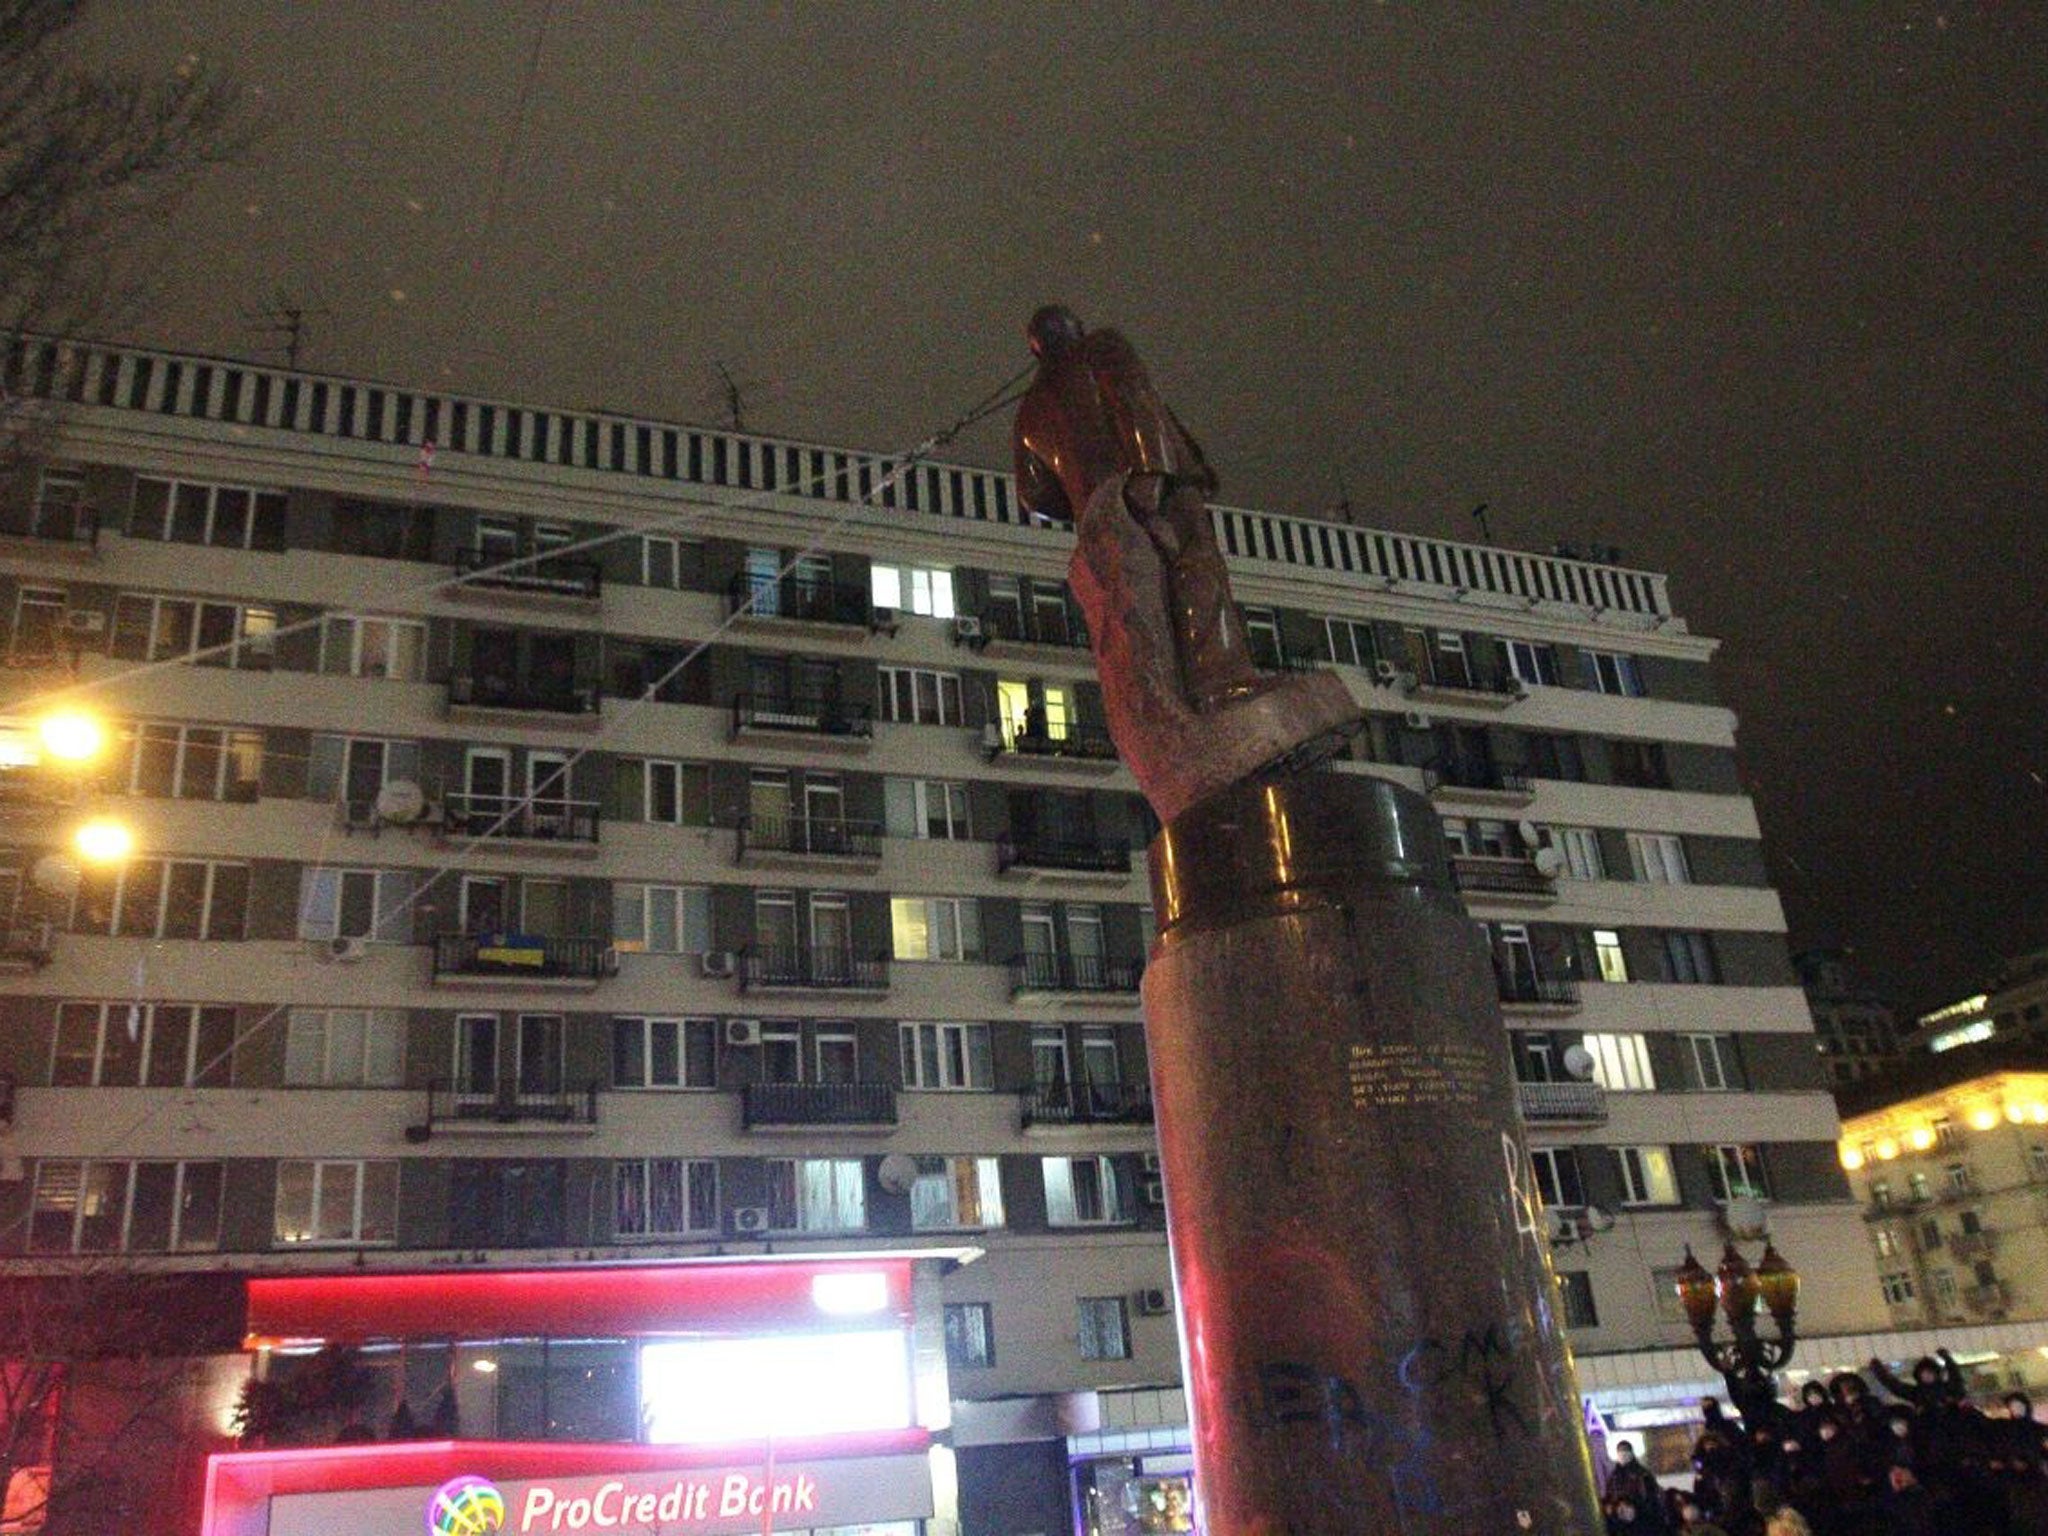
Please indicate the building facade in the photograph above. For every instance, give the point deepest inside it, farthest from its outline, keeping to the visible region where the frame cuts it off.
(565, 841)
(2011, 1010)
(1855, 1030)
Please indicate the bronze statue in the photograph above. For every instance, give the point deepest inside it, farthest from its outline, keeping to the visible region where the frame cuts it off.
(1096, 446)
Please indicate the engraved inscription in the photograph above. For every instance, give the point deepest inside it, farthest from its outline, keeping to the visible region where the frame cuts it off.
(1407, 1076)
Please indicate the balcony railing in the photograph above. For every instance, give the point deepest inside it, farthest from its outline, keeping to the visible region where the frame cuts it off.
(523, 957)
(1563, 1103)
(1086, 1103)
(1970, 1245)
(539, 575)
(1054, 627)
(25, 946)
(1995, 1297)
(1270, 658)
(1487, 874)
(1068, 854)
(798, 600)
(510, 1104)
(805, 1104)
(1538, 991)
(792, 712)
(1074, 973)
(804, 967)
(75, 526)
(1885, 1207)
(513, 816)
(1477, 686)
(829, 837)
(1455, 773)
(1077, 743)
(473, 691)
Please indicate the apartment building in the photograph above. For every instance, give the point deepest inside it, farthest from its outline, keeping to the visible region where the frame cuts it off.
(572, 844)
(1855, 1030)
(2012, 1009)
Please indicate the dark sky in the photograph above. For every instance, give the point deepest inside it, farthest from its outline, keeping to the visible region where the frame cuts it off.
(1754, 292)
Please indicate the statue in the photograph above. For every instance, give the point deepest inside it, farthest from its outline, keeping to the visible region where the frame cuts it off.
(1191, 714)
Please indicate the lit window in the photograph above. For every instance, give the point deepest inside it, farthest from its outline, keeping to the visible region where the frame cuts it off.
(935, 927)
(1607, 952)
(664, 1196)
(816, 1194)
(1737, 1173)
(1621, 1063)
(953, 1192)
(1085, 1191)
(336, 1202)
(913, 589)
(1646, 1176)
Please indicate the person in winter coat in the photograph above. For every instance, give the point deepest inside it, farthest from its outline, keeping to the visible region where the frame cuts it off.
(1937, 1382)
(1630, 1481)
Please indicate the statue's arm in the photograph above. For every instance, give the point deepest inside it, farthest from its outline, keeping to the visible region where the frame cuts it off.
(1039, 491)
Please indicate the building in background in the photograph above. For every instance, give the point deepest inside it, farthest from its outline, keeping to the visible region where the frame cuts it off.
(573, 843)
(2012, 1009)
(1855, 1029)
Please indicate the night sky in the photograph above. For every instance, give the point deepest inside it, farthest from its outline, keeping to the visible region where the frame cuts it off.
(1758, 297)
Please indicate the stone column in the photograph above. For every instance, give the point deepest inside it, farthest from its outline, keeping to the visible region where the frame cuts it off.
(1369, 1324)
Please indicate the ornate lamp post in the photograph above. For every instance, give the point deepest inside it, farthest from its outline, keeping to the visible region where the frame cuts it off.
(1747, 1359)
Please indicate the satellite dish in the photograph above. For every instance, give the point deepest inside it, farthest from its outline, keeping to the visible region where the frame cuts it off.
(1549, 862)
(1599, 1218)
(1531, 833)
(1579, 1062)
(1560, 1225)
(56, 876)
(401, 801)
(897, 1173)
(1745, 1217)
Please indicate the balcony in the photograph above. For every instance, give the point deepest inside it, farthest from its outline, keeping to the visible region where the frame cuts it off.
(555, 579)
(1481, 690)
(523, 960)
(33, 788)
(1562, 1103)
(1062, 860)
(1503, 879)
(1079, 747)
(510, 1109)
(561, 826)
(1056, 1106)
(797, 603)
(1083, 979)
(773, 717)
(1993, 1299)
(802, 1106)
(802, 968)
(1052, 635)
(808, 842)
(54, 530)
(1890, 1207)
(1454, 779)
(481, 700)
(1279, 659)
(25, 947)
(1521, 993)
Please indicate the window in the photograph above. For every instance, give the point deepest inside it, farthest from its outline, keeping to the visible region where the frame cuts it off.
(1531, 661)
(1621, 1063)
(164, 899)
(1581, 849)
(661, 919)
(956, 1192)
(1038, 711)
(1608, 955)
(1897, 1287)
(1706, 1060)
(1955, 1179)
(143, 1045)
(946, 1056)
(356, 646)
(664, 1196)
(1886, 1241)
(1689, 957)
(357, 904)
(1575, 1290)
(1085, 1191)
(664, 1053)
(670, 563)
(1943, 1283)
(837, 1056)
(191, 762)
(109, 1207)
(926, 808)
(1611, 672)
(1262, 636)
(1554, 757)
(1557, 1176)
(1350, 642)
(1639, 764)
(355, 768)
(229, 516)
(168, 628)
(935, 927)
(970, 1335)
(38, 624)
(919, 696)
(336, 1202)
(1737, 1173)
(61, 510)
(913, 589)
(663, 791)
(1646, 1176)
(1105, 1328)
(345, 1048)
(1658, 858)
(816, 1194)
(1945, 1134)
(2037, 1162)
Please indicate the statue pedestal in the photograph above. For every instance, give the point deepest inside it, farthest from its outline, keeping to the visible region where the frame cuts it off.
(1369, 1325)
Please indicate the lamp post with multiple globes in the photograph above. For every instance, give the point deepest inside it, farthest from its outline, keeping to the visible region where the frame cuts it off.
(1746, 1360)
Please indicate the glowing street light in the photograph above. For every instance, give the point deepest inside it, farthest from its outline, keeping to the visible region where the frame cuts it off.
(103, 841)
(72, 735)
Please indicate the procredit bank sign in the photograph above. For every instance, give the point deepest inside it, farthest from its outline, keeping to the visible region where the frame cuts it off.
(702, 1501)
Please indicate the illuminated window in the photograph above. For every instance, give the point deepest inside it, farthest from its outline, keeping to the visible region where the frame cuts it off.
(913, 589)
(946, 1056)
(345, 1048)
(1886, 1241)
(1646, 1176)
(816, 1194)
(1658, 858)
(935, 927)
(1621, 1063)
(952, 1192)
(925, 808)
(1085, 1191)
(1608, 954)
(1737, 1173)
(336, 1202)
(970, 1335)
(1105, 1328)
(664, 1196)
(1037, 711)
(664, 1053)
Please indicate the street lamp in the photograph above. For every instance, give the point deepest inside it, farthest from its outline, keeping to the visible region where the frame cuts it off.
(72, 737)
(1747, 1356)
(103, 840)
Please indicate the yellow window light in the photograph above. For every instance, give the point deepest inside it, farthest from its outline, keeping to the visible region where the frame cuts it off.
(1920, 1138)
(72, 735)
(104, 841)
(1887, 1149)
(1983, 1119)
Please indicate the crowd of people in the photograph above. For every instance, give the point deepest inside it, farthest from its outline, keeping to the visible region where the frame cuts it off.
(1919, 1460)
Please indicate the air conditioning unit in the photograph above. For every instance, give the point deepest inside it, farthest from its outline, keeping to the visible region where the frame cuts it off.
(1153, 1192)
(347, 950)
(84, 623)
(742, 1031)
(719, 962)
(967, 629)
(1416, 720)
(882, 621)
(1153, 1301)
(1387, 671)
(750, 1218)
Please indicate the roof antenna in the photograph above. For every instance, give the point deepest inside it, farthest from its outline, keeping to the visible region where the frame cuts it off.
(286, 319)
(1479, 517)
(1344, 508)
(735, 415)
